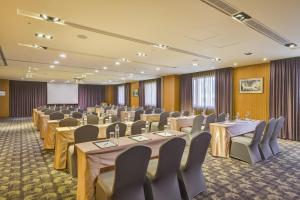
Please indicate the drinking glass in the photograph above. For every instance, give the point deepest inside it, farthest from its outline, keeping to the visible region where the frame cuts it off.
(111, 135)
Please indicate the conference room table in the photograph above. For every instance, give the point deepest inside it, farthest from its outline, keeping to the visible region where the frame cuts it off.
(92, 160)
(127, 114)
(222, 132)
(176, 123)
(64, 136)
(153, 117)
(35, 116)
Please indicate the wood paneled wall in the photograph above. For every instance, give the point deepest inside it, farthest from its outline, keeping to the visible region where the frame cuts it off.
(256, 104)
(4, 100)
(134, 100)
(171, 93)
(109, 94)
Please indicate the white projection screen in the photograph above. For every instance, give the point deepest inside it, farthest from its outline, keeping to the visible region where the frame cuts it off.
(60, 93)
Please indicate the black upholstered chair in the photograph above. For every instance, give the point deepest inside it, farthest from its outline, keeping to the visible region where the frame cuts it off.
(136, 127)
(56, 116)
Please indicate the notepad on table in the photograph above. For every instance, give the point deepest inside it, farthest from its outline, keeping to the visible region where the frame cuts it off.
(139, 138)
(105, 144)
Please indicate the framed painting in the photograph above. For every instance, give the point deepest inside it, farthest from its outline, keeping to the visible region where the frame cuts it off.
(252, 85)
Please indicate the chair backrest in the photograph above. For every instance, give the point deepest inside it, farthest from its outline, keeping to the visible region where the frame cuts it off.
(186, 113)
(278, 127)
(157, 110)
(68, 122)
(119, 111)
(77, 115)
(92, 119)
(66, 111)
(197, 123)
(169, 165)
(198, 149)
(111, 128)
(80, 110)
(258, 133)
(86, 133)
(136, 127)
(175, 114)
(148, 111)
(72, 109)
(48, 112)
(163, 120)
(270, 127)
(209, 119)
(57, 108)
(56, 116)
(130, 171)
(137, 114)
(44, 110)
(113, 119)
(64, 108)
(221, 117)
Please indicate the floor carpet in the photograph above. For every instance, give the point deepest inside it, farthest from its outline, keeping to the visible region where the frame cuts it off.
(26, 171)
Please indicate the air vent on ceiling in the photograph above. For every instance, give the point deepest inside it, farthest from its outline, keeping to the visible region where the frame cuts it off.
(2, 58)
(222, 6)
(263, 29)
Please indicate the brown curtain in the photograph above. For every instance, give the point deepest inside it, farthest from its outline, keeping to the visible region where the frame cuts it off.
(158, 91)
(127, 94)
(90, 95)
(25, 95)
(223, 90)
(186, 92)
(115, 88)
(285, 95)
(141, 94)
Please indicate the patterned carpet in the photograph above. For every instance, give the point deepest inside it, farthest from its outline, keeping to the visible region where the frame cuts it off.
(26, 171)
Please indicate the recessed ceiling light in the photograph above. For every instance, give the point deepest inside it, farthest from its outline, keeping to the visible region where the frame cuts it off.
(104, 67)
(142, 72)
(56, 62)
(125, 60)
(117, 63)
(157, 68)
(195, 64)
(265, 59)
(62, 55)
(161, 46)
(141, 54)
(52, 66)
(43, 36)
(96, 70)
(50, 18)
(248, 53)
(235, 64)
(291, 45)
(241, 16)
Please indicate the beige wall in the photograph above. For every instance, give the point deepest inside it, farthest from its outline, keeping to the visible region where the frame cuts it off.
(4, 100)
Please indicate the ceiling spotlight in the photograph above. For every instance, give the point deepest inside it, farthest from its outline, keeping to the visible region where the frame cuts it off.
(157, 68)
(96, 70)
(38, 46)
(62, 55)
(104, 67)
(248, 53)
(241, 16)
(117, 63)
(52, 66)
(161, 46)
(291, 45)
(195, 64)
(265, 59)
(43, 36)
(141, 54)
(235, 64)
(50, 18)
(124, 60)
(142, 72)
(56, 62)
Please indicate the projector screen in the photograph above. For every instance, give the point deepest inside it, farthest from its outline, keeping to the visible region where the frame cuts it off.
(59, 93)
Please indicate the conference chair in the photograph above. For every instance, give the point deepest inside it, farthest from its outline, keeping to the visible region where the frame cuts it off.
(197, 125)
(92, 119)
(56, 116)
(48, 112)
(64, 108)
(137, 114)
(82, 134)
(191, 179)
(67, 112)
(273, 140)
(111, 128)
(68, 122)
(77, 115)
(80, 110)
(186, 113)
(175, 114)
(57, 108)
(162, 180)
(209, 119)
(148, 111)
(157, 110)
(264, 144)
(119, 110)
(136, 127)
(246, 148)
(221, 117)
(128, 179)
(44, 110)
(72, 109)
(113, 119)
(163, 120)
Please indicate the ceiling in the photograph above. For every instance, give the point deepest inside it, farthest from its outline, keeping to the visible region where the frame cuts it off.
(115, 29)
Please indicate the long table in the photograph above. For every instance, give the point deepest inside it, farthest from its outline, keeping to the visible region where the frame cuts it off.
(150, 117)
(92, 160)
(222, 132)
(176, 123)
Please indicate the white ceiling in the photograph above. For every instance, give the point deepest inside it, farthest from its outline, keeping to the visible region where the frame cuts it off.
(189, 25)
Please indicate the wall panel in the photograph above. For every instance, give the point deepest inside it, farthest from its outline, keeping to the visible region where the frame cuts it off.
(4, 100)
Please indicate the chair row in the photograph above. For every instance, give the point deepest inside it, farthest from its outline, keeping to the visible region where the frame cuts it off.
(262, 144)
(173, 176)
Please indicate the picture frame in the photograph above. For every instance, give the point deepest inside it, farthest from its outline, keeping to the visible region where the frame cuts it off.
(135, 92)
(251, 86)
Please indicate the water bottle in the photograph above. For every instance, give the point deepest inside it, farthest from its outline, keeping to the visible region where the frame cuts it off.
(227, 117)
(117, 131)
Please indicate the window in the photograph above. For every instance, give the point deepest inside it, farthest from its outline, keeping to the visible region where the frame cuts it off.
(150, 93)
(121, 95)
(204, 91)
